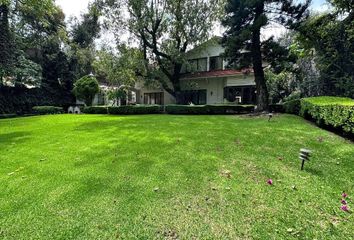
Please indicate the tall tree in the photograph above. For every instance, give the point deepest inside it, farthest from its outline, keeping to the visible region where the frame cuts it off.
(244, 20)
(166, 29)
(84, 33)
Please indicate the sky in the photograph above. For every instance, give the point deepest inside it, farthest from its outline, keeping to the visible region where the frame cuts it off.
(76, 7)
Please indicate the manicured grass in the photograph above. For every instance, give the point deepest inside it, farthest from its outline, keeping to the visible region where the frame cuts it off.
(169, 177)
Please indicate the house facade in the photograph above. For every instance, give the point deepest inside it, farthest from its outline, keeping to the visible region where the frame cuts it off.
(206, 79)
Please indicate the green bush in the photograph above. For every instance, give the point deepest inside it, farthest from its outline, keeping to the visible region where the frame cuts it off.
(43, 110)
(3, 116)
(292, 107)
(185, 109)
(331, 111)
(86, 88)
(279, 108)
(138, 109)
(208, 109)
(95, 110)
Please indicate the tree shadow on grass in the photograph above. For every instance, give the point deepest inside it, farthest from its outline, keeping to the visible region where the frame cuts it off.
(13, 138)
(314, 171)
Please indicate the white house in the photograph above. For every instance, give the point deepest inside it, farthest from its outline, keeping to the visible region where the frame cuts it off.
(206, 79)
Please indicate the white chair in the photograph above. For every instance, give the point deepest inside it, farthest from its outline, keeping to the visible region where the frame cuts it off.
(77, 110)
(71, 110)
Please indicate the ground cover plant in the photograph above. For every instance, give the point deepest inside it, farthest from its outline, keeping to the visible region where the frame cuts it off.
(173, 177)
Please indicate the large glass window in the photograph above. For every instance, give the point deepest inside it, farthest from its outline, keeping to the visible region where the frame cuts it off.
(216, 63)
(197, 97)
(197, 65)
(242, 94)
(153, 98)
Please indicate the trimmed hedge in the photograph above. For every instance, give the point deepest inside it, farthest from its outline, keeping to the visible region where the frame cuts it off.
(43, 110)
(331, 111)
(279, 108)
(208, 109)
(292, 106)
(137, 109)
(95, 110)
(4, 116)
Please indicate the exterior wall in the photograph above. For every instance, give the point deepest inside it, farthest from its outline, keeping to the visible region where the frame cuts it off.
(167, 98)
(212, 50)
(215, 86)
(240, 80)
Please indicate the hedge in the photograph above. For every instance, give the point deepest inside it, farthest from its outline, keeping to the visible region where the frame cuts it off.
(292, 106)
(279, 108)
(208, 109)
(43, 110)
(20, 100)
(95, 110)
(331, 111)
(137, 109)
(3, 116)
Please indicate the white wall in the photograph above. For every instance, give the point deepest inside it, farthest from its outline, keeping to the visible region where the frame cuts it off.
(214, 87)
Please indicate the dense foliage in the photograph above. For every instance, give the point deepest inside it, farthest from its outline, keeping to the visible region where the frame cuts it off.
(20, 99)
(86, 88)
(330, 38)
(38, 50)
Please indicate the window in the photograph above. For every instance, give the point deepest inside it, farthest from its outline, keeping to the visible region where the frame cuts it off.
(197, 97)
(197, 65)
(245, 93)
(216, 63)
(153, 98)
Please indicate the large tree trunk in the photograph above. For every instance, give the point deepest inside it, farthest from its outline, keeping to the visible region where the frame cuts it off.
(261, 86)
(6, 52)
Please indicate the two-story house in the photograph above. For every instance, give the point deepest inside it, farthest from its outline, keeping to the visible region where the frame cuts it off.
(206, 79)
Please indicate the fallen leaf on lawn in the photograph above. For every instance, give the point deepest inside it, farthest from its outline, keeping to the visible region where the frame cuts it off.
(11, 173)
(225, 173)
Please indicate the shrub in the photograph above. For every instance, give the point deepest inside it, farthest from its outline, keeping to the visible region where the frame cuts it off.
(95, 110)
(331, 111)
(292, 106)
(279, 108)
(3, 116)
(208, 109)
(138, 109)
(43, 110)
(86, 88)
(186, 109)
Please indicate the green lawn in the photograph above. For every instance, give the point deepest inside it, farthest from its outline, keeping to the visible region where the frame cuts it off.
(172, 177)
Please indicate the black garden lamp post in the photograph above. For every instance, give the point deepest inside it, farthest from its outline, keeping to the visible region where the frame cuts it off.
(305, 155)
